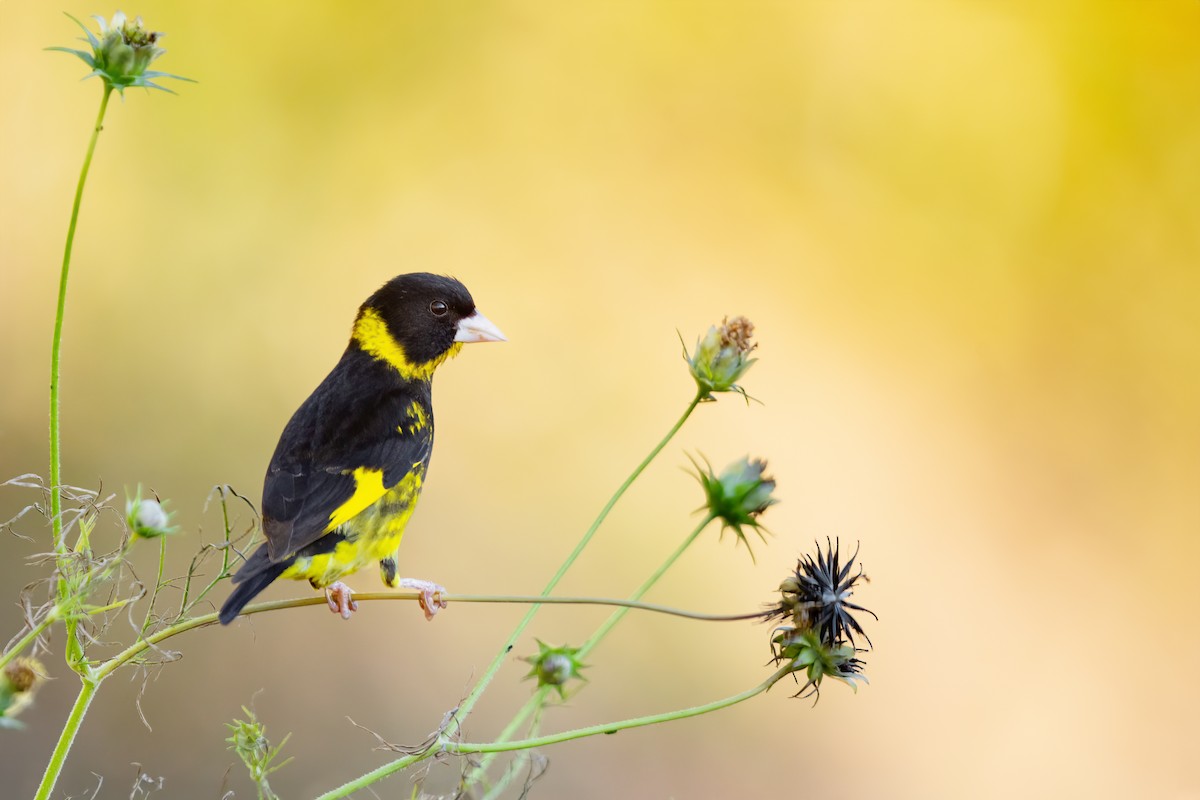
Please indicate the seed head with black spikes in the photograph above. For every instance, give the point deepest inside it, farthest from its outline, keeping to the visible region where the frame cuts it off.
(817, 596)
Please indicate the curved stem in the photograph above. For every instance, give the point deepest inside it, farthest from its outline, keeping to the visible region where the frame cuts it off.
(624, 487)
(72, 648)
(473, 697)
(445, 745)
(538, 699)
(631, 603)
(87, 691)
(468, 703)
(138, 647)
(496, 790)
(56, 344)
(612, 727)
(616, 616)
(158, 581)
(29, 638)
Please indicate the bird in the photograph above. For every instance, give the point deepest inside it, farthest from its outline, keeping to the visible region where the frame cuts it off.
(352, 460)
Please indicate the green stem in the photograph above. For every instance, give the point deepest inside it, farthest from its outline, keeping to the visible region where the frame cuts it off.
(446, 745)
(510, 774)
(29, 638)
(91, 681)
(158, 581)
(87, 691)
(608, 507)
(472, 698)
(539, 697)
(468, 704)
(616, 616)
(56, 345)
(72, 648)
(226, 550)
(466, 748)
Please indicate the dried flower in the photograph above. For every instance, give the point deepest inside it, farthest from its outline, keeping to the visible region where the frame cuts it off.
(722, 357)
(19, 680)
(820, 639)
(738, 495)
(816, 596)
(121, 54)
(554, 666)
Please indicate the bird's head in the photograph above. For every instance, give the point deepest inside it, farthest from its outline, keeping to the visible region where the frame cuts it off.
(415, 322)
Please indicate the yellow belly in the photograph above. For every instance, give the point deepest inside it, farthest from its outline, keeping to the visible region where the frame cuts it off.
(372, 535)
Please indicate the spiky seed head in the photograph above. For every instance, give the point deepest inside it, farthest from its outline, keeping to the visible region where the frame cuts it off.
(554, 666)
(738, 496)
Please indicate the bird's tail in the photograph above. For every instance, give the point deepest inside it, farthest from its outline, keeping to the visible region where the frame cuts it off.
(254, 576)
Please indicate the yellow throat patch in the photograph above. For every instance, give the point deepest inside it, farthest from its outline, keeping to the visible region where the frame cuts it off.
(373, 336)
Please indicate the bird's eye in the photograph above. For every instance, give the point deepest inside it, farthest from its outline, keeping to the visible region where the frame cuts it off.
(438, 308)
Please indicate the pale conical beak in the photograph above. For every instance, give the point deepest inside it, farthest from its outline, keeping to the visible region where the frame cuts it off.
(478, 328)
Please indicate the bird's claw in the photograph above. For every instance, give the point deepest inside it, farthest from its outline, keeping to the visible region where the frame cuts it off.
(341, 599)
(432, 596)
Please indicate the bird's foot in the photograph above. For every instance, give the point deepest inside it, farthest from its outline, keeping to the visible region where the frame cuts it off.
(432, 597)
(341, 599)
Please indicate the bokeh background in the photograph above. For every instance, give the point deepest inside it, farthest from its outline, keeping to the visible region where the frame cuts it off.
(969, 235)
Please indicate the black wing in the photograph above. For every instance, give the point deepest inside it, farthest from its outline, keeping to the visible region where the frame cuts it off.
(360, 416)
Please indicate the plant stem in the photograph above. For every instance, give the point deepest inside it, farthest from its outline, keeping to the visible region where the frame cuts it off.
(538, 698)
(95, 675)
(534, 599)
(72, 648)
(630, 603)
(446, 745)
(56, 345)
(616, 616)
(468, 703)
(465, 748)
(158, 582)
(29, 637)
(87, 691)
(472, 698)
(497, 789)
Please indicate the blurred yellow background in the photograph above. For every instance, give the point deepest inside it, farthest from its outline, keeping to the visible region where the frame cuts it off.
(969, 235)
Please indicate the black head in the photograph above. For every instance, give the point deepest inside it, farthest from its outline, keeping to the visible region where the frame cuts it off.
(426, 315)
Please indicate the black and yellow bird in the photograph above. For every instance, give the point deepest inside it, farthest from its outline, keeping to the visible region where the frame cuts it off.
(351, 462)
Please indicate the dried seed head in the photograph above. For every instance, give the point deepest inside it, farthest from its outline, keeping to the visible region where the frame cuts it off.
(722, 356)
(19, 679)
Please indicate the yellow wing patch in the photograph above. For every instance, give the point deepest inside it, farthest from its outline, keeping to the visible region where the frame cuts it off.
(368, 488)
(373, 336)
(373, 527)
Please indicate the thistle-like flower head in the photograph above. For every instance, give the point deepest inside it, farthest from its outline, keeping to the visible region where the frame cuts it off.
(738, 496)
(722, 357)
(554, 666)
(122, 53)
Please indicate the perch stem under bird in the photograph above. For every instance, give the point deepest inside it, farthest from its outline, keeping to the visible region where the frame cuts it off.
(352, 461)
